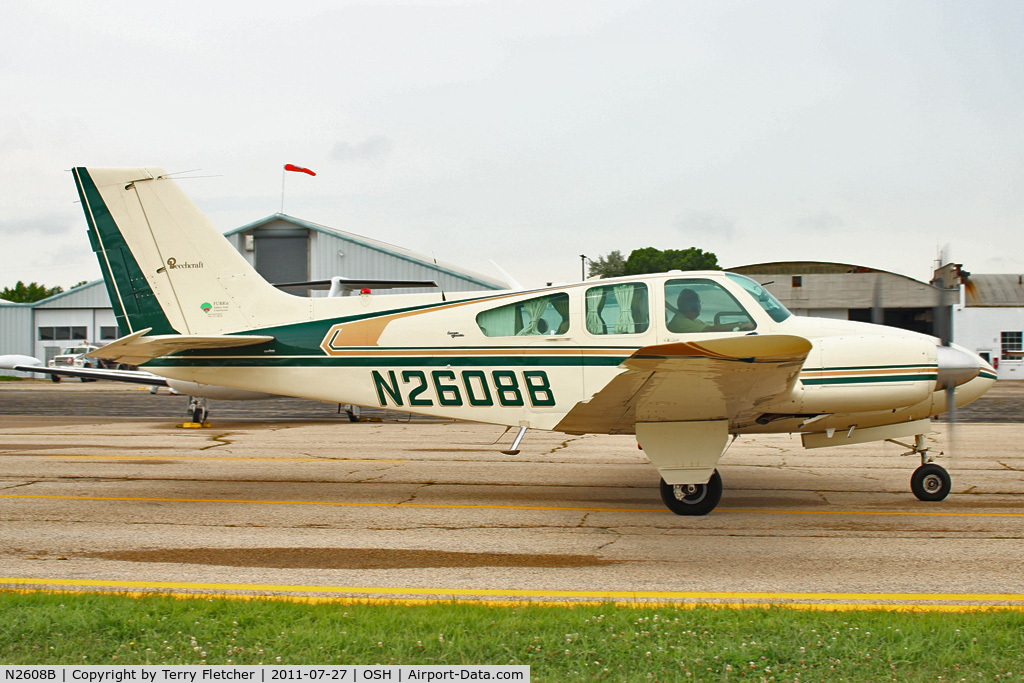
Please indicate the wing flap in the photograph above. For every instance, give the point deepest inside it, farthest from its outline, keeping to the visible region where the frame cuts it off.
(732, 378)
(136, 348)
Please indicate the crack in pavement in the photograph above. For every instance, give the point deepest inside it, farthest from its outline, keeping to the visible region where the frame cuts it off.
(373, 480)
(616, 536)
(14, 486)
(564, 444)
(414, 493)
(219, 437)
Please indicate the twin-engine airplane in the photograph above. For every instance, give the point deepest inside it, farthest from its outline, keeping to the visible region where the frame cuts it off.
(681, 360)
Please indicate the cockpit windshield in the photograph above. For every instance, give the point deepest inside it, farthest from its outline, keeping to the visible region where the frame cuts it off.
(762, 296)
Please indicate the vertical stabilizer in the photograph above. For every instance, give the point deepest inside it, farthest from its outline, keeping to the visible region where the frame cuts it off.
(166, 266)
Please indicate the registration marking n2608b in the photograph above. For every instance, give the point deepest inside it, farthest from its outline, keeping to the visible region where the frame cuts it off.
(477, 388)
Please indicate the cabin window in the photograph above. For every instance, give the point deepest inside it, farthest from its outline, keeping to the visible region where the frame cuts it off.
(772, 306)
(547, 315)
(699, 305)
(618, 309)
(1013, 345)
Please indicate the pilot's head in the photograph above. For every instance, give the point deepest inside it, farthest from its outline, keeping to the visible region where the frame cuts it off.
(689, 303)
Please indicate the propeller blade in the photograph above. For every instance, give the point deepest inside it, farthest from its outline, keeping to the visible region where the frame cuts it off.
(951, 420)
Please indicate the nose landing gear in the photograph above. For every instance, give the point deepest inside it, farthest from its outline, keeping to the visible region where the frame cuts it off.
(930, 482)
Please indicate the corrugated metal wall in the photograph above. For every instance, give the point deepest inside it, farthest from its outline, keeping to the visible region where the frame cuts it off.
(15, 333)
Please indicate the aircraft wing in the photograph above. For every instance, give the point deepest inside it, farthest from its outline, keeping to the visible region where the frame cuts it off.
(30, 364)
(136, 348)
(730, 378)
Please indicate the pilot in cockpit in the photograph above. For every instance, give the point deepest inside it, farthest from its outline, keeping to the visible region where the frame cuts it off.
(687, 309)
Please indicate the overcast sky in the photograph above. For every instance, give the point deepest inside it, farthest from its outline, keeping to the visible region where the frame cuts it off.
(529, 133)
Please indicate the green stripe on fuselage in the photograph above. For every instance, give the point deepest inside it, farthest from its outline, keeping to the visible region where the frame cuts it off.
(923, 377)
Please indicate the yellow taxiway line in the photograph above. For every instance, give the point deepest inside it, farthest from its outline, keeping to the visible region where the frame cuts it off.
(453, 506)
(917, 602)
(144, 458)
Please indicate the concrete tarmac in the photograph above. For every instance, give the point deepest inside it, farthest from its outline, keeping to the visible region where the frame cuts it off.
(433, 510)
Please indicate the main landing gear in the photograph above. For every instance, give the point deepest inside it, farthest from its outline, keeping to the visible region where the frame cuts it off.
(930, 482)
(197, 408)
(692, 499)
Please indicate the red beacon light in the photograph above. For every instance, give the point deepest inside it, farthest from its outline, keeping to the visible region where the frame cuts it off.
(365, 290)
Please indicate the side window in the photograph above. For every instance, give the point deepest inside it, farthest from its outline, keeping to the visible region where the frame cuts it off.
(618, 309)
(698, 305)
(548, 315)
(1012, 344)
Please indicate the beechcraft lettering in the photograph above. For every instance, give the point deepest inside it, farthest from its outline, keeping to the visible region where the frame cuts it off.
(683, 361)
(173, 263)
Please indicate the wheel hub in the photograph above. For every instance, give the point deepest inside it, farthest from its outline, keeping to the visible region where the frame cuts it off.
(690, 493)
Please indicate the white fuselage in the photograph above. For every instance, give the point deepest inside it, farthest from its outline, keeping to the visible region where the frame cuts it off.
(478, 358)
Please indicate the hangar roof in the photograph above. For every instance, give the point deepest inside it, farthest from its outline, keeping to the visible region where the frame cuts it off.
(1005, 290)
(823, 284)
(90, 295)
(377, 245)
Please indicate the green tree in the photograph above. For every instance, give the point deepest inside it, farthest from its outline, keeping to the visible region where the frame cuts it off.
(612, 265)
(22, 293)
(651, 260)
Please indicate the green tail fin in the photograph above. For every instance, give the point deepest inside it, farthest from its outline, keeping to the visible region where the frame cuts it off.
(135, 305)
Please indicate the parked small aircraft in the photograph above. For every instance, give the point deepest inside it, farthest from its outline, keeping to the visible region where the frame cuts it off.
(681, 360)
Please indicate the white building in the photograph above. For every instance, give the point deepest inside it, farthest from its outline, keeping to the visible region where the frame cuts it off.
(43, 328)
(989, 320)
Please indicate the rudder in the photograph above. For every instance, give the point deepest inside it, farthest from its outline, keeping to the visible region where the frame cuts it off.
(166, 266)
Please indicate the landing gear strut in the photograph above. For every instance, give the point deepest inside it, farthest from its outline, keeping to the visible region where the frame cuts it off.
(930, 482)
(692, 499)
(197, 408)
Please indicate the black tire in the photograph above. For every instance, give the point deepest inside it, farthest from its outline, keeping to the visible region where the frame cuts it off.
(930, 482)
(55, 378)
(199, 414)
(695, 499)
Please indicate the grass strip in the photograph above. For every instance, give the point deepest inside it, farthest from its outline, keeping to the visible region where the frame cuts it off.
(588, 642)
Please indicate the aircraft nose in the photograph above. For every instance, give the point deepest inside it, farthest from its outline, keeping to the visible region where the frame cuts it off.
(956, 367)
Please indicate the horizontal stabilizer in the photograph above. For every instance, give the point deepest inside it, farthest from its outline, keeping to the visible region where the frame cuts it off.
(136, 348)
(348, 284)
